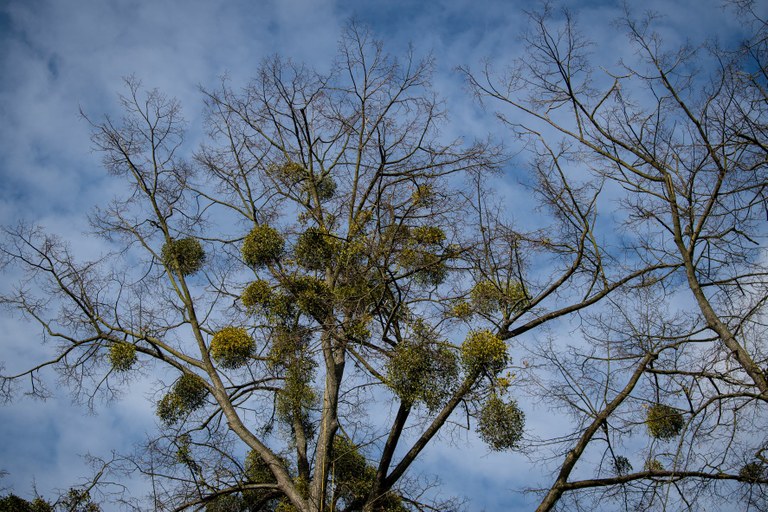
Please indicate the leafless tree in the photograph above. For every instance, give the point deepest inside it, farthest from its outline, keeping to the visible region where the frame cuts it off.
(678, 139)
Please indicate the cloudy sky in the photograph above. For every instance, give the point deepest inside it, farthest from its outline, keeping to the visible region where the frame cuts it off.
(59, 56)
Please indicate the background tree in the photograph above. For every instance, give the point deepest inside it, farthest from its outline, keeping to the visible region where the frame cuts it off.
(678, 139)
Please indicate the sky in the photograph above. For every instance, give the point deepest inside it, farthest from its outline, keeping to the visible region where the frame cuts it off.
(58, 57)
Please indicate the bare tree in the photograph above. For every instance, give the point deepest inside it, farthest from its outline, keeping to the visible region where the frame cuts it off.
(679, 138)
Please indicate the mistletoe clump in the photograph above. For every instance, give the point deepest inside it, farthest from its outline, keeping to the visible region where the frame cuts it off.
(394, 237)
(183, 452)
(291, 350)
(185, 256)
(170, 409)
(358, 329)
(312, 296)
(421, 254)
(290, 172)
(358, 293)
(315, 249)
(257, 295)
(289, 345)
(262, 246)
(324, 186)
(282, 306)
(297, 395)
(290, 358)
(354, 477)
(257, 470)
(462, 310)
(191, 390)
(622, 466)
(293, 173)
(122, 356)
(428, 268)
(483, 351)
(232, 347)
(664, 422)
(428, 235)
(752, 472)
(653, 465)
(422, 372)
(423, 195)
(226, 503)
(187, 395)
(488, 297)
(501, 424)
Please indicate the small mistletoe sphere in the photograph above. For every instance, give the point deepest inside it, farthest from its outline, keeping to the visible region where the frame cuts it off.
(462, 310)
(325, 187)
(297, 395)
(664, 422)
(257, 295)
(263, 245)
(752, 472)
(428, 235)
(169, 409)
(501, 424)
(429, 268)
(621, 465)
(257, 470)
(422, 372)
(185, 256)
(434, 272)
(231, 347)
(312, 296)
(653, 465)
(292, 172)
(122, 356)
(482, 350)
(191, 391)
(188, 394)
(315, 249)
(489, 297)
(486, 297)
(424, 195)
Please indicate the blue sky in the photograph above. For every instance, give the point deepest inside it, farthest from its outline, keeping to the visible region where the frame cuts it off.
(59, 56)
